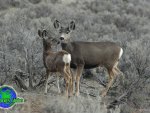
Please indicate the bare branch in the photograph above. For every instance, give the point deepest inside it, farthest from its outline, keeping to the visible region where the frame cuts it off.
(2, 82)
(20, 82)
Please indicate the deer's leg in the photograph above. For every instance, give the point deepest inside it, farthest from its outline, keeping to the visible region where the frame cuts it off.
(70, 80)
(74, 75)
(46, 82)
(111, 79)
(67, 80)
(67, 83)
(71, 89)
(58, 83)
(79, 73)
(116, 68)
(118, 72)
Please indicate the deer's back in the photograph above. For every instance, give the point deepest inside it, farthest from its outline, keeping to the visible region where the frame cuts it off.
(93, 54)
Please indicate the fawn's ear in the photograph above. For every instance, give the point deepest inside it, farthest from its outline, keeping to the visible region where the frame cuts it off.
(40, 33)
(44, 34)
(72, 25)
(56, 24)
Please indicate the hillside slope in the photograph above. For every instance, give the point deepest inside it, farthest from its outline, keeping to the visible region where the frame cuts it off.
(126, 22)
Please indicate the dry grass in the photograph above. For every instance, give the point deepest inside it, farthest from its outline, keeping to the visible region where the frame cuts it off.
(39, 103)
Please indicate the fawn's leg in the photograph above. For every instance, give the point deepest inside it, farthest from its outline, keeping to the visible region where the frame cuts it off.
(46, 82)
(58, 87)
(70, 80)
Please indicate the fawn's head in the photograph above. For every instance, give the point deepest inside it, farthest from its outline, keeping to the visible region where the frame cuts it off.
(64, 31)
(48, 41)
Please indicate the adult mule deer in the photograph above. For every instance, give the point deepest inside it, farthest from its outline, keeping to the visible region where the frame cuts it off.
(56, 61)
(86, 55)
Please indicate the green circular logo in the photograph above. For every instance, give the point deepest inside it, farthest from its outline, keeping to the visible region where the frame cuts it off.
(8, 97)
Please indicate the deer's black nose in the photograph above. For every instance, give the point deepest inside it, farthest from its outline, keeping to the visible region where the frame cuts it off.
(61, 38)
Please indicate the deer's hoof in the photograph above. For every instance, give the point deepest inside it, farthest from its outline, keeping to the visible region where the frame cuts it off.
(71, 95)
(77, 94)
(66, 96)
(59, 92)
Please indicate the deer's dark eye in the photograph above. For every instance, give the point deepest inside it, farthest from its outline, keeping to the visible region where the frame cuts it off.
(54, 40)
(67, 32)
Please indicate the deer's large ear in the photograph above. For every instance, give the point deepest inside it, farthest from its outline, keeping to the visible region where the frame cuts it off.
(40, 33)
(56, 24)
(44, 34)
(72, 25)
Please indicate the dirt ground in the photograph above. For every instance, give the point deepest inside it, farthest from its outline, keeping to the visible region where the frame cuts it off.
(89, 101)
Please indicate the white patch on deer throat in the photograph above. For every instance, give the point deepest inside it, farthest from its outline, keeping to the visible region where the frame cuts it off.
(63, 35)
(67, 58)
(121, 52)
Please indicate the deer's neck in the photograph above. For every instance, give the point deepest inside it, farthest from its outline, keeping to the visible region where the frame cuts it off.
(46, 47)
(64, 45)
(46, 53)
(67, 46)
